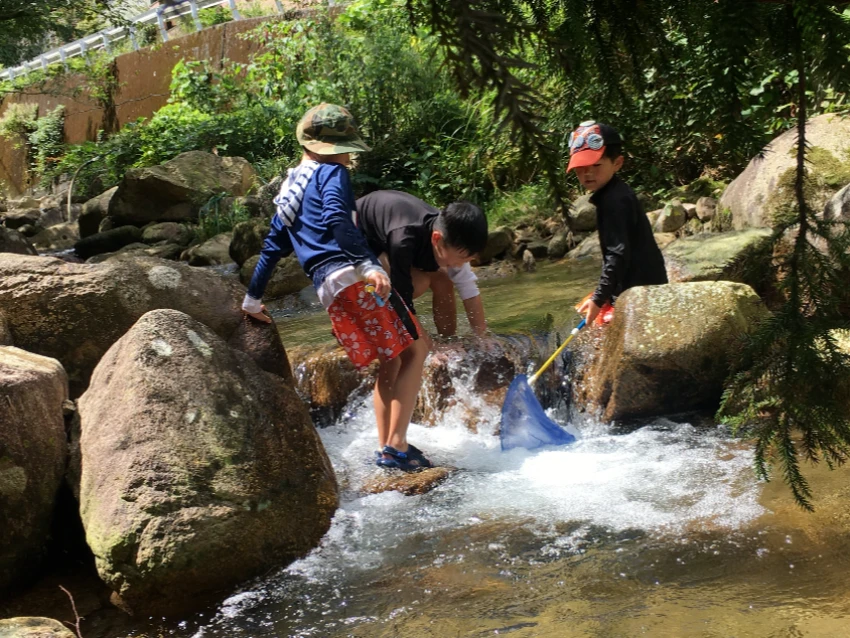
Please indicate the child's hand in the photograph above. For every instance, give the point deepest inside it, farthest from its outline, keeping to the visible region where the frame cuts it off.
(590, 310)
(261, 316)
(381, 283)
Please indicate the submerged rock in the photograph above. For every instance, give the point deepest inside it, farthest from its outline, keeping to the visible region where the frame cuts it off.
(75, 312)
(199, 470)
(33, 627)
(667, 349)
(408, 484)
(33, 452)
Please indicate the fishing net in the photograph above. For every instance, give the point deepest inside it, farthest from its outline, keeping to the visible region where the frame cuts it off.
(524, 423)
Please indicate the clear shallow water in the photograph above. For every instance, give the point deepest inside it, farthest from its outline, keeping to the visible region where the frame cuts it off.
(661, 531)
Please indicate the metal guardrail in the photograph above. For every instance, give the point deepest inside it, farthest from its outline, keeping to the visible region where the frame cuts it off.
(106, 38)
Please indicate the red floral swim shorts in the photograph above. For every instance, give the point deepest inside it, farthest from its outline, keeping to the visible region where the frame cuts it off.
(366, 330)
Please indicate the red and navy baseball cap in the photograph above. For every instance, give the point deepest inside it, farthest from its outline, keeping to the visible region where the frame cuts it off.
(588, 142)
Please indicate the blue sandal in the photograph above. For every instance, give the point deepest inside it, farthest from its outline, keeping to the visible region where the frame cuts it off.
(411, 461)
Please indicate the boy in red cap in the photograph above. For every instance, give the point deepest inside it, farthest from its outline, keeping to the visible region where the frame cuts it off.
(630, 256)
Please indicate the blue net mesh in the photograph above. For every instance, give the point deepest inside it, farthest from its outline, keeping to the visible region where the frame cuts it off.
(524, 423)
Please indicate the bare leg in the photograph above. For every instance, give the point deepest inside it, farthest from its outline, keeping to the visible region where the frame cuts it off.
(404, 393)
(443, 300)
(382, 398)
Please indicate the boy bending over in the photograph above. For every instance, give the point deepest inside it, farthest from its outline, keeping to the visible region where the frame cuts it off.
(314, 219)
(425, 248)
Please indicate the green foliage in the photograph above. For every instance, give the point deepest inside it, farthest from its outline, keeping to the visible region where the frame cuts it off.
(528, 203)
(18, 122)
(219, 216)
(46, 140)
(214, 15)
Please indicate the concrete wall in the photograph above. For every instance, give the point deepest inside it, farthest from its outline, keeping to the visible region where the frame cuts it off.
(144, 78)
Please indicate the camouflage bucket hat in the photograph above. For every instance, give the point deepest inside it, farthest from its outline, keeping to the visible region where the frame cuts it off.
(329, 129)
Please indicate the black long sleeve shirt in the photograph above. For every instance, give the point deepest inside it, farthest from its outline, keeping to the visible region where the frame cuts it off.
(629, 252)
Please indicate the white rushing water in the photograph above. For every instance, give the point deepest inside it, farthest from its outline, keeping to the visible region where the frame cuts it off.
(663, 479)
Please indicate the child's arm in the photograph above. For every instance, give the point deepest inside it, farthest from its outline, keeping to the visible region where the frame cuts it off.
(400, 249)
(464, 281)
(337, 204)
(276, 246)
(614, 239)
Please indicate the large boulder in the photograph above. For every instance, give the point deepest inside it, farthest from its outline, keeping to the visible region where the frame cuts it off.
(582, 215)
(589, 247)
(199, 470)
(838, 207)
(288, 276)
(108, 241)
(177, 189)
(213, 252)
(33, 453)
(667, 350)
(767, 184)
(33, 627)
(75, 312)
(162, 250)
(708, 257)
(11, 241)
(706, 209)
(57, 237)
(248, 240)
(94, 211)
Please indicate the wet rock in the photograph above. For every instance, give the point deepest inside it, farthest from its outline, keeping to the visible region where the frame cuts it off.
(108, 241)
(706, 209)
(538, 249)
(18, 217)
(225, 476)
(498, 243)
(559, 245)
(248, 240)
(673, 216)
(708, 257)
(288, 276)
(75, 312)
(667, 349)
(588, 248)
(767, 184)
(33, 452)
(262, 343)
(213, 252)
(33, 627)
(94, 211)
(409, 484)
(437, 393)
(176, 190)
(170, 232)
(326, 378)
(529, 264)
(11, 241)
(59, 237)
(582, 216)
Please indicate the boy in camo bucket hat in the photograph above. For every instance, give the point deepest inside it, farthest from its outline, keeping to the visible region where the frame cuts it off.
(314, 220)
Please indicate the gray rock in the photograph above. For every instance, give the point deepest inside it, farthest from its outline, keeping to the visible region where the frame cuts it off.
(582, 217)
(712, 256)
(690, 210)
(108, 241)
(59, 237)
(32, 438)
(248, 240)
(177, 189)
(33, 627)
(559, 245)
(838, 207)
(588, 248)
(498, 243)
(11, 241)
(18, 217)
(93, 213)
(213, 252)
(171, 232)
(266, 195)
(288, 276)
(673, 216)
(706, 209)
(224, 456)
(767, 183)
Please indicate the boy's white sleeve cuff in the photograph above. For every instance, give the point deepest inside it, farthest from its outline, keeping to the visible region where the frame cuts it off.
(249, 304)
(464, 281)
(366, 268)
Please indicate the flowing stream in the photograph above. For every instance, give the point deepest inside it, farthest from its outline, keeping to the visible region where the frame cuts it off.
(660, 530)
